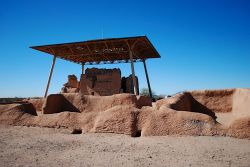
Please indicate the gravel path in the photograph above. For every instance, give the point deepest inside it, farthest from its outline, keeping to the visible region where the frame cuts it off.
(32, 146)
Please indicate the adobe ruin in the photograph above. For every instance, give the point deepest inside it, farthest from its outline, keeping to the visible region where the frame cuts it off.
(196, 113)
(72, 86)
(209, 112)
(100, 82)
(103, 82)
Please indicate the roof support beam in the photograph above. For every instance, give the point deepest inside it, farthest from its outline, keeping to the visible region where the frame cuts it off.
(82, 68)
(136, 91)
(146, 72)
(50, 75)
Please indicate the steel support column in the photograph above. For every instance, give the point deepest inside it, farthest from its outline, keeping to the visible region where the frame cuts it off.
(146, 72)
(50, 75)
(82, 68)
(136, 91)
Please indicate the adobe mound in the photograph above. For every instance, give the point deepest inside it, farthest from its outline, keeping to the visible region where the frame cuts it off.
(13, 114)
(37, 103)
(166, 121)
(76, 102)
(228, 105)
(184, 114)
(216, 100)
(118, 119)
(240, 128)
(19, 107)
(185, 102)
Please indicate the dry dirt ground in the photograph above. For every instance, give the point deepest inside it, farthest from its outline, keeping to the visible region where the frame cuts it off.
(32, 146)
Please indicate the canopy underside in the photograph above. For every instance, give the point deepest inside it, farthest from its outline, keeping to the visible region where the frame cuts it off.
(113, 50)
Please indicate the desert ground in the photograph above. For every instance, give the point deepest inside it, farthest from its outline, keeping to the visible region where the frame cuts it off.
(34, 146)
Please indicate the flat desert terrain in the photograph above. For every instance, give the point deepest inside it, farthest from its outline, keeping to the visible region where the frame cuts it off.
(33, 146)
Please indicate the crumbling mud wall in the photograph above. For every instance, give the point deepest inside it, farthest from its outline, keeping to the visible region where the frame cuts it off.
(15, 114)
(229, 105)
(103, 82)
(76, 102)
(56, 103)
(37, 103)
(118, 119)
(240, 127)
(128, 85)
(241, 103)
(128, 114)
(106, 82)
(72, 86)
(20, 107)
(215, 100)
(166, 121)
(185, 102)
(224, 105)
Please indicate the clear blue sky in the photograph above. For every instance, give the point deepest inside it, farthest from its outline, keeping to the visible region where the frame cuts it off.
(203, 44)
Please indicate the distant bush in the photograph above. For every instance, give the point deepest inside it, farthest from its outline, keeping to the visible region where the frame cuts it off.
(11, 99)
(145, 92)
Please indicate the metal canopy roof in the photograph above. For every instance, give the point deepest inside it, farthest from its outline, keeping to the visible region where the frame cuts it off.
(112, 50)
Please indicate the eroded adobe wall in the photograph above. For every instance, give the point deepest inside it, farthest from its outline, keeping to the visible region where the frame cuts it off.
(241, 102)
(103, 82)
(220, 101)
(184, 102)
(166, 121)
(37, 103)
(121, 114)
(76, 102)
(72, 86)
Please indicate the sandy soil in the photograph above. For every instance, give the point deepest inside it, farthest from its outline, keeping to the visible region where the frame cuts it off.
(32, 146)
